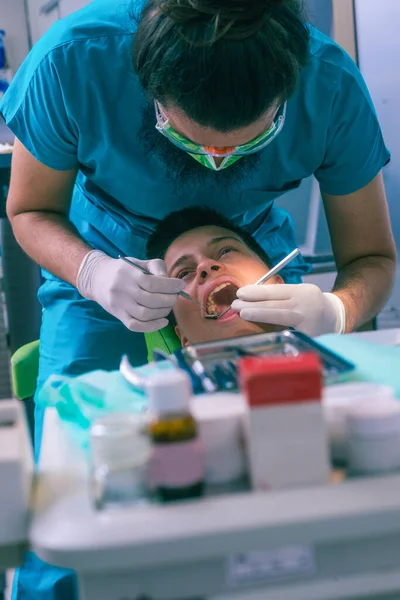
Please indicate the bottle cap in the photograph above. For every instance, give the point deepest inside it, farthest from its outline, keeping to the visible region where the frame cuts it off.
(168, 392)
(346, 394)
(120, 440)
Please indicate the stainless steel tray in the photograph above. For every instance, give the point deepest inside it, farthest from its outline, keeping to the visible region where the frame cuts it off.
(213, 365)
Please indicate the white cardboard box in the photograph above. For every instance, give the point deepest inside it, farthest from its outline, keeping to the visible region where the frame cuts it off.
(288, 446)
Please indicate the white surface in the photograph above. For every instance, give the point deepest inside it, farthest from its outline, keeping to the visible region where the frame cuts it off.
(12, 19)
(354, 529)
(389, 337)
(315, 206)
(40, 23)
(16, 468)
(378, 41)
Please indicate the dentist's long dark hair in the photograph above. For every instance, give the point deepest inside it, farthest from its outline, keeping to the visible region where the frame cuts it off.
(224, 63)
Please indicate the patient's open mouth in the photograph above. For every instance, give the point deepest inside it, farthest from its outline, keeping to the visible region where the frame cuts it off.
(221, 298)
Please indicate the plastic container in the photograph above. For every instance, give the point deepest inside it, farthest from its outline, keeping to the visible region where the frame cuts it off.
(177, 465)
(374, 437)
(221, 419)
(337, 401)
(120, 457)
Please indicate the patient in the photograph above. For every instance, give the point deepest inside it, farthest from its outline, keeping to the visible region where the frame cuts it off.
(214, 258)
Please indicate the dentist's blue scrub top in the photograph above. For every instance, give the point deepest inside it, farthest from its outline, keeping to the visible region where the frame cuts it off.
(77, 101)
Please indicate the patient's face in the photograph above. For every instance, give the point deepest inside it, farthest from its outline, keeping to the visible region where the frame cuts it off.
(214, 263)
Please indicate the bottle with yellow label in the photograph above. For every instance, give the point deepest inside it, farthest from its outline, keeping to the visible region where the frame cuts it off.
(176, 464)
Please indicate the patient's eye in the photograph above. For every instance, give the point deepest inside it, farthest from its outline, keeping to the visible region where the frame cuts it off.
(226, 250)
(185, 273)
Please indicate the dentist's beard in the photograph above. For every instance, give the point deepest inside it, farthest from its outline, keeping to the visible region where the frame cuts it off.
(182, 168)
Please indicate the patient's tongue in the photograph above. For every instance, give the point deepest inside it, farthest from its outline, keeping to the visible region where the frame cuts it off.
(225, 297)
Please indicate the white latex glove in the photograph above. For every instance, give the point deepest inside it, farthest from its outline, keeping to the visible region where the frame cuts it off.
(302, 306)
(142, 302)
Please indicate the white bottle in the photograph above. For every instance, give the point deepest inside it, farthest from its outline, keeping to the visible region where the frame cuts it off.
(120, 459)
(221, 419)
(374, 436)
(338, 401)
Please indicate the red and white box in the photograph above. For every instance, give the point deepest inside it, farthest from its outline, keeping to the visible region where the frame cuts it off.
(287, 438)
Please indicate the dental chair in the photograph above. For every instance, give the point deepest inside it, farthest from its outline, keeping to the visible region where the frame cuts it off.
(25, 362)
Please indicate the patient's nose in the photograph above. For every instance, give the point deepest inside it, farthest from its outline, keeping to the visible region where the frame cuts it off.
(206, 268)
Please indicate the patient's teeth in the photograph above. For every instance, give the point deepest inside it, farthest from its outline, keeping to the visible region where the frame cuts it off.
(217, 289)
(211, 306)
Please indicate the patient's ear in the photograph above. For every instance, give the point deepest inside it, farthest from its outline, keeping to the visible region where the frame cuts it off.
(279, 279)
(184, 341)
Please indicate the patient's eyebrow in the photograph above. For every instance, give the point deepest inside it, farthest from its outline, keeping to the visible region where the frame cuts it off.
(222, 238)
(187, 257)
(181, 261)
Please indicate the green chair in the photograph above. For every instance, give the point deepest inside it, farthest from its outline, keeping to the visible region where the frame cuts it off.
(25, 361)
(24, 370)
(165, 340)
(24, 373)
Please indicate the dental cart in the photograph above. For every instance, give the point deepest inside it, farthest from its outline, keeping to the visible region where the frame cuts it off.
(337, 541)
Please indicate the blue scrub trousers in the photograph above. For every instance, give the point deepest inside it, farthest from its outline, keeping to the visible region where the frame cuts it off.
(77, 336)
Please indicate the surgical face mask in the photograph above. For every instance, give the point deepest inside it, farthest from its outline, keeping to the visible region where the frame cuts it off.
(205, 155)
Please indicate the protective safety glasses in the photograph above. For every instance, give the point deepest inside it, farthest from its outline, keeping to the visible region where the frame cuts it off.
(251, 147)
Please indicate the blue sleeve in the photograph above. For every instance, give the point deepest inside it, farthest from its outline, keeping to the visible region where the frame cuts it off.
(35, 109)
(355, 150)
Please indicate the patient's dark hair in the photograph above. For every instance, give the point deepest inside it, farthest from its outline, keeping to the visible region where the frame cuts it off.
(182, 221)
(224, 63)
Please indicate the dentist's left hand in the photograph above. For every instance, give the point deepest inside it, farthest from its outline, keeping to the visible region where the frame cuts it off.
(302, 306)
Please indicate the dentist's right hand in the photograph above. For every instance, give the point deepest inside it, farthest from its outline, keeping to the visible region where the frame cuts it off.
(142, 302)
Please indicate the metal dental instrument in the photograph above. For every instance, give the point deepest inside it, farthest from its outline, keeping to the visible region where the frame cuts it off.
(147, 272)
(199, 370)
(275, 270)
(271, 273)
(138, 382)
(160, 355)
